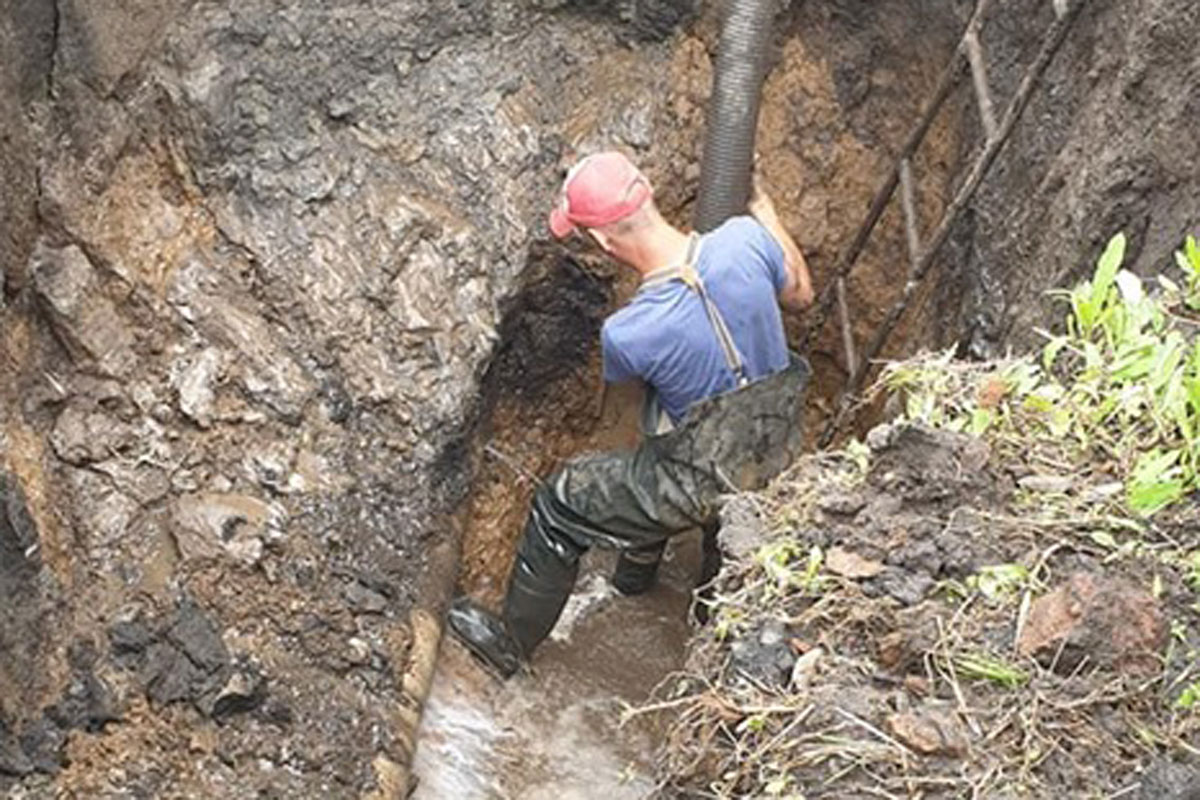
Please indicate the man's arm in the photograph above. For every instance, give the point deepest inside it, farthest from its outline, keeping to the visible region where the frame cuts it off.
(797, 292)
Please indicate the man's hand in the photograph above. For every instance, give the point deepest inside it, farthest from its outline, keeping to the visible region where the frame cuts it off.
(761, 207)
(797, 292)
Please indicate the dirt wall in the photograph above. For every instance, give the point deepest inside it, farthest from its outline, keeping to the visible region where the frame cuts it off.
(1108, 144)
(272, 250)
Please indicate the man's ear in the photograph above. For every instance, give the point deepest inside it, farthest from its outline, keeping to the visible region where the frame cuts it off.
(601, 239)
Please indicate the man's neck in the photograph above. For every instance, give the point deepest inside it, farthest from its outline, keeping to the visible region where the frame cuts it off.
(665, 246)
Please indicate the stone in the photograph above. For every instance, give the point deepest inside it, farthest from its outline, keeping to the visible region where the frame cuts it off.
(210, 524)
(197, 636)
(1048, 484)
(903, 649)
(130, 637)
(365, 599)
(742, 530)
(906, 587)
(849, 564)
(84, 435)
(1170, 780)
(764, 655)
(845, 504)
(195, 386)
(85, 320)
(13, 760)
(244, 691)
(17, 530)
(187, 661)
(805, 669)
(930, 732)
(1109, 621)
(168, 675)
(43, 742)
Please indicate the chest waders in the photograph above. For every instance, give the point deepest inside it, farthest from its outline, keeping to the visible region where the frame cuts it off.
(633, 501)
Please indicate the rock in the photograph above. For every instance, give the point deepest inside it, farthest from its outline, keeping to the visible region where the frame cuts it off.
(764, 655)
(805, 668)
(908, 588)
(195, 386)
(197, 636)
(1049, 484)
(1170, 780)
(187, 661)
(44, 742)
(848, 564)
(364, 599)
(845, 504)
(359, 651)
(880, 437)
(1104, 492)
(930, 732)
(129, 638)
(208, 524)
(18, 534)
(13, 760)
(1110, 622)
(85, 320)
(168, 675)
(903, 649)
(244, 691)
(742, 531)
(84, 435)
(87, 703)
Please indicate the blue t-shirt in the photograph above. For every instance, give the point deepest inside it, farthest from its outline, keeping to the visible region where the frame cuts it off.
(664, 337)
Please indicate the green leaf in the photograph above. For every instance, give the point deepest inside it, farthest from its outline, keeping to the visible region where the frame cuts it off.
(1106, 270)
(1155, 482)
(1051, 351)
(981, 419)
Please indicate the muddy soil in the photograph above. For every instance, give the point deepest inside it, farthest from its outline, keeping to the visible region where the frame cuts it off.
(884, 670)
(282, 330)
(557, 732)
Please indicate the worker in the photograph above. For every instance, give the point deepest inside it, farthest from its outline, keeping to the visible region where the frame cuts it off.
(704, 334)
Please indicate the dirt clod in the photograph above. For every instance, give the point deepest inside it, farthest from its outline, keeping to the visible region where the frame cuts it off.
(930, 732)
(1108, 621)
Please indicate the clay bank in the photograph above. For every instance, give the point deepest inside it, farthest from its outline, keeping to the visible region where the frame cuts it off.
(285, 345)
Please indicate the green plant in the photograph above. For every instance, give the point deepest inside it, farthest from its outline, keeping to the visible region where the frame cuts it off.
(1000, 582)
(1122, 380)
(1188, 260)
(988, 668)
(1189, 697)
(780, 561)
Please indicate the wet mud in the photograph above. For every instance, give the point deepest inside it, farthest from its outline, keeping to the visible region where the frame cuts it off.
(556, 732)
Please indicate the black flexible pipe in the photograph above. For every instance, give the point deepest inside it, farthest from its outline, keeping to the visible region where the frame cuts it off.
(732, 120)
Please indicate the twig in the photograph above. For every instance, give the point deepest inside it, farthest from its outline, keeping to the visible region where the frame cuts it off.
(511, 463)
(862, 723)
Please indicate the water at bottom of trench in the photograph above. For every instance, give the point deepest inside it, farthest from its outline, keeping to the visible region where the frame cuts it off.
(553, 734)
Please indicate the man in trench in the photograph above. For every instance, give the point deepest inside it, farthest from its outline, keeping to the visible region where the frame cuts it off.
(704, 334)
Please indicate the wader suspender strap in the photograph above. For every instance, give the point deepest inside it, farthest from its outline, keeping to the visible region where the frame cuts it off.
(687, 274)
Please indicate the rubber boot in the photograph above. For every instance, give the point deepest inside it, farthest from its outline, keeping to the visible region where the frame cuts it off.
(541, 581)
(538, 587)
(485, 635)
(637, 569)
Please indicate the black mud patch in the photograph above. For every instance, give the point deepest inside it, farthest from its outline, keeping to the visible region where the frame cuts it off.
(549, 330)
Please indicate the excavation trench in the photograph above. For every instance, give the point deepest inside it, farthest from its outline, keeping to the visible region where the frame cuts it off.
(823, 139)
(285, 349)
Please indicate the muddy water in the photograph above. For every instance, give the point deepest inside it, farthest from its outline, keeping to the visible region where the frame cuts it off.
(554, 733)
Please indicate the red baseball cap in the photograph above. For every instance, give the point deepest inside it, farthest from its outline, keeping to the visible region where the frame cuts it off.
(599, 190)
